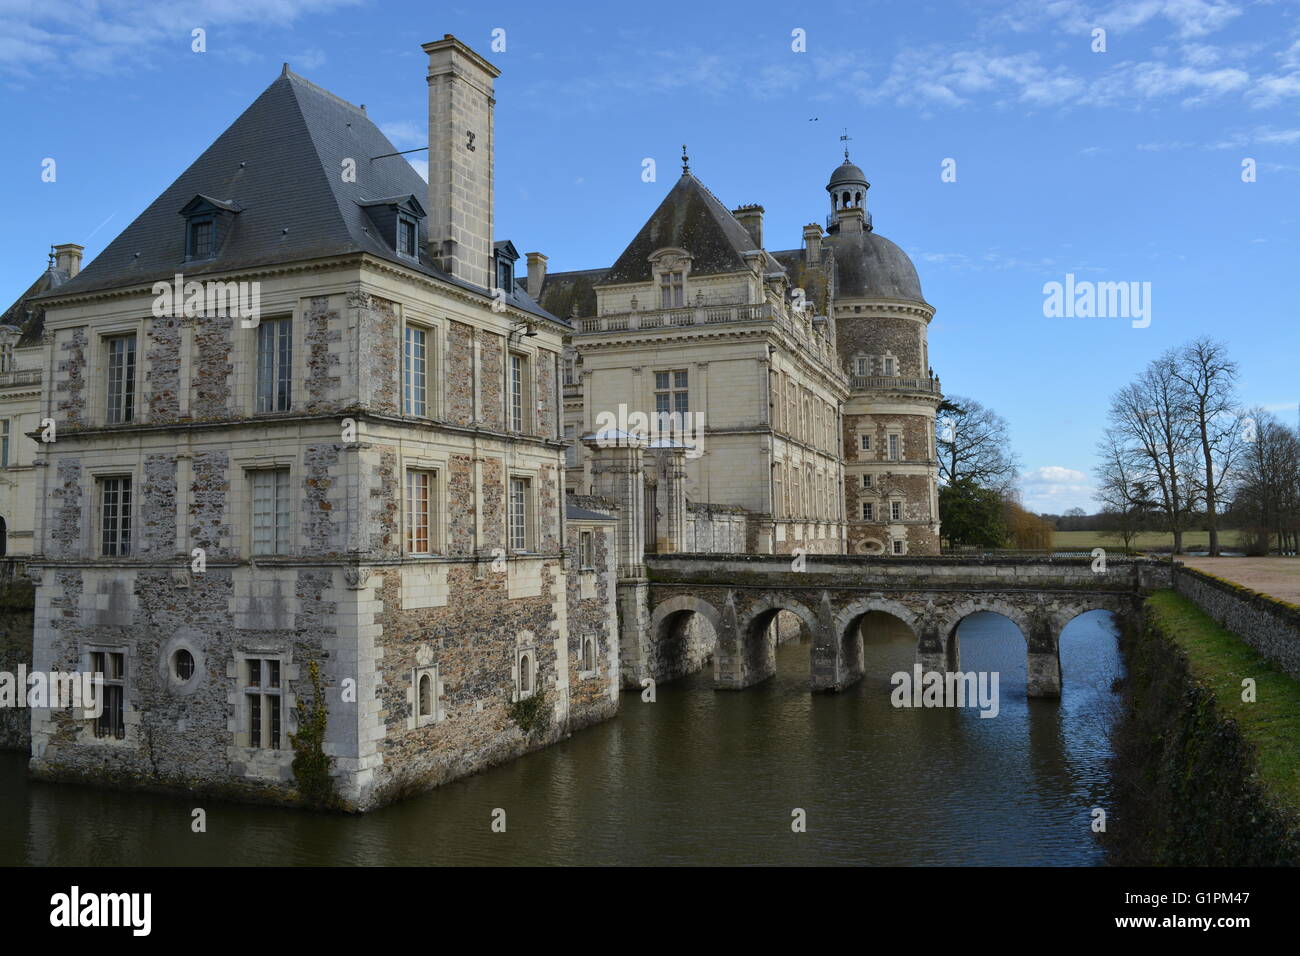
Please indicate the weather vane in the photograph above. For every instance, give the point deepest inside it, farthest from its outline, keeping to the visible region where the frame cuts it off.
(844, 138)
(686, 160)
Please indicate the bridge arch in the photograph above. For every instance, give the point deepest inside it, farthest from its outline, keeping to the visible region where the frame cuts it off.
(680, 645)
(747, 652)
(847, 632)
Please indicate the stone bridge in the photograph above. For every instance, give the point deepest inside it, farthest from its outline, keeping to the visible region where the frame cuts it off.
(690, 608)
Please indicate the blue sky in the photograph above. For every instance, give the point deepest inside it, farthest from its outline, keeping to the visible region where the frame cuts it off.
(1123, 165)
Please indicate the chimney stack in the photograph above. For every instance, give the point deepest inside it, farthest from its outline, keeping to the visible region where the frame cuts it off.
(812, 241)
(751, 217)
(536, 273)
(460, 160)
(67, 258)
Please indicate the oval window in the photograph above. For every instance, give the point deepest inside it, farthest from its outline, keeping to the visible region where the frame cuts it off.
(183, 665)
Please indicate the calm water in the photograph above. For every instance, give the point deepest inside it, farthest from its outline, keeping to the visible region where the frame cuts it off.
(697, 777)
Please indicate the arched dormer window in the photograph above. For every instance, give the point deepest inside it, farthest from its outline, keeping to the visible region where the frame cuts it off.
(671, 269)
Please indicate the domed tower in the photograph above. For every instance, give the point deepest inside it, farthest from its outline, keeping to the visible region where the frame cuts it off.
(881, 325)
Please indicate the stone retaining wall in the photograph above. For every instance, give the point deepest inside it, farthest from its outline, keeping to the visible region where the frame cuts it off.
(1270, 626)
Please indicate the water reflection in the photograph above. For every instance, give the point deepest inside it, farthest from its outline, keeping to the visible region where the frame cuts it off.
(697, 777)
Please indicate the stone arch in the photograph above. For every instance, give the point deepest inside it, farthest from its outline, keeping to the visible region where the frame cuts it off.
(949, 651)
(677, 643)
(848, 636)
(745, 657)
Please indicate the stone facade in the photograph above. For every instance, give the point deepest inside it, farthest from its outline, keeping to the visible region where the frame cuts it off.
(383, 525)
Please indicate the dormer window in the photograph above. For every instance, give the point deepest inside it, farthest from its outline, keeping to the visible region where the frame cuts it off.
(505, 255)
(397, 220)
(207, 222)
(406, 231)
(200, 245)
(505, 274)
(671, 267)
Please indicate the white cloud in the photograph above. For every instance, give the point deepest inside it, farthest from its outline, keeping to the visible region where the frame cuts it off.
(1053, 489)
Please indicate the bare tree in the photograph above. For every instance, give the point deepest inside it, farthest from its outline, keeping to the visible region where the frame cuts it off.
(1266, 483)
(1157, 441)
(973, 445)
(1208, 378)
(1122, 489)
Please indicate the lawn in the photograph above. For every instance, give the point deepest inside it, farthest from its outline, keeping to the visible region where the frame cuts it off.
(1192, 540)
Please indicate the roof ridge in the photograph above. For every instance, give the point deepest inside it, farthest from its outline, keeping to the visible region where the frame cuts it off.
(289, 74)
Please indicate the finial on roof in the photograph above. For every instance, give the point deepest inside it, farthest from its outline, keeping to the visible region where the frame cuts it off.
(845, 140)
(51, 257)
(686, 160)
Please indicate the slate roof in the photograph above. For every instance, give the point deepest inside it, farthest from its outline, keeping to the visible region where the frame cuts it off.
(867, 265)
(567, 294)
(690, 218)
(574, 513)
(28, 313)
(281, 164)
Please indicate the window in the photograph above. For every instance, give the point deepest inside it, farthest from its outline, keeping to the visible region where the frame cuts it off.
(121, 378)
(271, 511)
(518, 514)
(571, 452)
(7, 357)
(862, 365)
(4, 443)
(570, 372)
(263, 703)
(893, 447)
(868, 511)
(416, 386)
(200, 238)
(115, 517)
(588, 654)
(868, 481)
(419, 509)
(898, 547)
(895, 511)
(865, 441)
(274, 365)
(426, 695)
(586, 550)
(518, 383)
(183, 664)
(672, 290)
(505, 274)
(110, 666)
(889, 367)
(406, 237)
(527, 677)
(672, 400)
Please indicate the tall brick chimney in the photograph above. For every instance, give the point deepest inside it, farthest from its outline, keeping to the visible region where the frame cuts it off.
(67, 258)
(751, 217)
(460, 160)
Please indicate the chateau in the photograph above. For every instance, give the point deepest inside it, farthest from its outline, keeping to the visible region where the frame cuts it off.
(300, 438)
(807, 368)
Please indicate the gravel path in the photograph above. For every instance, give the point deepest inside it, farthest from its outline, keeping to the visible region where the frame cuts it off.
(1279, 577)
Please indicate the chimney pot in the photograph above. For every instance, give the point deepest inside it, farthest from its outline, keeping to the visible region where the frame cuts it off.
(536, 273)
(751, 217)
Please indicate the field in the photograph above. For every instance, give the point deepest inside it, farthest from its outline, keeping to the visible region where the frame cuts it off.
(1192, 540)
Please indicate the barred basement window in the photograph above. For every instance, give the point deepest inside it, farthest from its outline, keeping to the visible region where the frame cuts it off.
(263, 703)
(274, 365)
(121, 379)
(111, 667)
(115, 517)
(271, 511)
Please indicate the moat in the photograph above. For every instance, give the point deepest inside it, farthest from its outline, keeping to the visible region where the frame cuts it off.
(698, 777)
